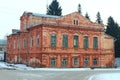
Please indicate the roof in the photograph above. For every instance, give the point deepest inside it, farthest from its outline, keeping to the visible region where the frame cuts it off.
(64, 25)
(41, 15)
(14, 31)
(44, 15)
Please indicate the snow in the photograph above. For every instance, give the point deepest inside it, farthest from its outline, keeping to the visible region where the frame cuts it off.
(106, 76)
(100, 76)
(2, 64)
(118, 62)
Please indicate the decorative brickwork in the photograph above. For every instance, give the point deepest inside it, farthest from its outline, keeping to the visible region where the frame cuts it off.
(34, 46)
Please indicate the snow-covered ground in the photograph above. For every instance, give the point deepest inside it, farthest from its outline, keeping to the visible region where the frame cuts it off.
(106, 76)
(100, 76)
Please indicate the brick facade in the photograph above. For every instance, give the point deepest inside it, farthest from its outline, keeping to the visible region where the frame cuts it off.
(32, 44)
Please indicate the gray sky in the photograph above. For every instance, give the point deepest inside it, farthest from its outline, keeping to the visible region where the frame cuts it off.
(11, 10)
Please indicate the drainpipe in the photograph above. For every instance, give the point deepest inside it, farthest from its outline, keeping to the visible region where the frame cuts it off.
(27, 48)
(18, 59)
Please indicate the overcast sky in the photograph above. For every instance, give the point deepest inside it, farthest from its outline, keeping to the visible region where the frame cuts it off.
(11, 10)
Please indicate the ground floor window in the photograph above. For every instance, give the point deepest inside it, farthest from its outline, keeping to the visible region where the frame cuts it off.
(53, 62)
(95, 61)
(64, 62)
(86, 62)
(75, 61)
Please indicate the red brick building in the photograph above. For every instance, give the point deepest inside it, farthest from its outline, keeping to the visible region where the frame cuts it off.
(60, 41)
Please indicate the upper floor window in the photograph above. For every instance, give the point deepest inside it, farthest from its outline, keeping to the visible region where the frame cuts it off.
(95, 42)
(24, 25)
(24, 43)
(75, 41)
(37, 40)
(65, 41)
(85, 41)
(31, 41)
(75, 22)
(53, 40)
(14, 44)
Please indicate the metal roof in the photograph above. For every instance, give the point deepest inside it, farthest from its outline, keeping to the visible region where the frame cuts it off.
(46, 16)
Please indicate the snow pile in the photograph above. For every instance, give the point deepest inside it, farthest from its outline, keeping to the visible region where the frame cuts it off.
(107, 76)
(118, 62)
(23, 67)
(62, 69)
(3, 65)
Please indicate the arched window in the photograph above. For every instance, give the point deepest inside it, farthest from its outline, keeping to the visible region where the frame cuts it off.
(31, 41)
(65, 41)
(95, 61)
(85, 41)
(53, 40)
(75, 41)
(86, 62)
(24, 25)
(53, 62)
(14, 44)
(37, 40)
(64, 62)
(95, 42)
(75, 61)
(24, 43)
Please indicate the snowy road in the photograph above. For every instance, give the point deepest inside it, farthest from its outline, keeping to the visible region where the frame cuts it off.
(58, 75)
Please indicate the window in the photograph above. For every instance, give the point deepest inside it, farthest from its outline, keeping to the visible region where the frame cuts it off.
(95, 42)
(85, 41)
(65, 41)
(31, 41)
(24, 26)
(53, 62)
(75, 61)
(14, 44)
(95, 61)
(86, 62)
(53, 40)
(37, 40)
(75, 41)
(75, 22)
(24, 43)
(64, 62)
